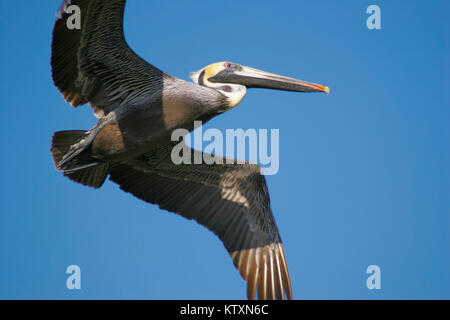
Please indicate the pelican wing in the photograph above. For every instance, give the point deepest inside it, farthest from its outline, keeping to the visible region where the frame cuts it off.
(231, 200)
(94, 63)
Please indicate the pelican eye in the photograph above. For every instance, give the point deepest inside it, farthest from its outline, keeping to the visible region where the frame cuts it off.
(232, 66)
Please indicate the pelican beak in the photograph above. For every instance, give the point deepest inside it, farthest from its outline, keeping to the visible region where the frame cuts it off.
(253, 78)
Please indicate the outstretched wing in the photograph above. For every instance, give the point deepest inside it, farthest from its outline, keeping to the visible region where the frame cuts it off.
(231, 200)
(94, 63)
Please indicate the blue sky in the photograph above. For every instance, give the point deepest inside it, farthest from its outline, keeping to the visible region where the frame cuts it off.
(364, 172)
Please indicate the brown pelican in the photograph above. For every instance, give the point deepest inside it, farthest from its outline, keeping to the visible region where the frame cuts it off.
(138, 107)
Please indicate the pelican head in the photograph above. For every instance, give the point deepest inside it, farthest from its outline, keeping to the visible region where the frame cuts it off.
(233, 79)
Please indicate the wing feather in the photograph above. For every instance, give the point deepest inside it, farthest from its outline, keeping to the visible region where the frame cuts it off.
(229, 199)
(95, 64)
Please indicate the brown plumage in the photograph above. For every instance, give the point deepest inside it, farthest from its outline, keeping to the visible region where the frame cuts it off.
(231, 200)
(138, 107)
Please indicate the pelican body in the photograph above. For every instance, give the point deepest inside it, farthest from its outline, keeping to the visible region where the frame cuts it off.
(138, 107)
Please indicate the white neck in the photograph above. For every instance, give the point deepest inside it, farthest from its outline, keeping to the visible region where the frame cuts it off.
(234, 92)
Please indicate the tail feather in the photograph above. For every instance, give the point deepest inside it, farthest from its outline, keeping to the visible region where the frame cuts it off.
(91, 176)
(61, 143)
(79, 166)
